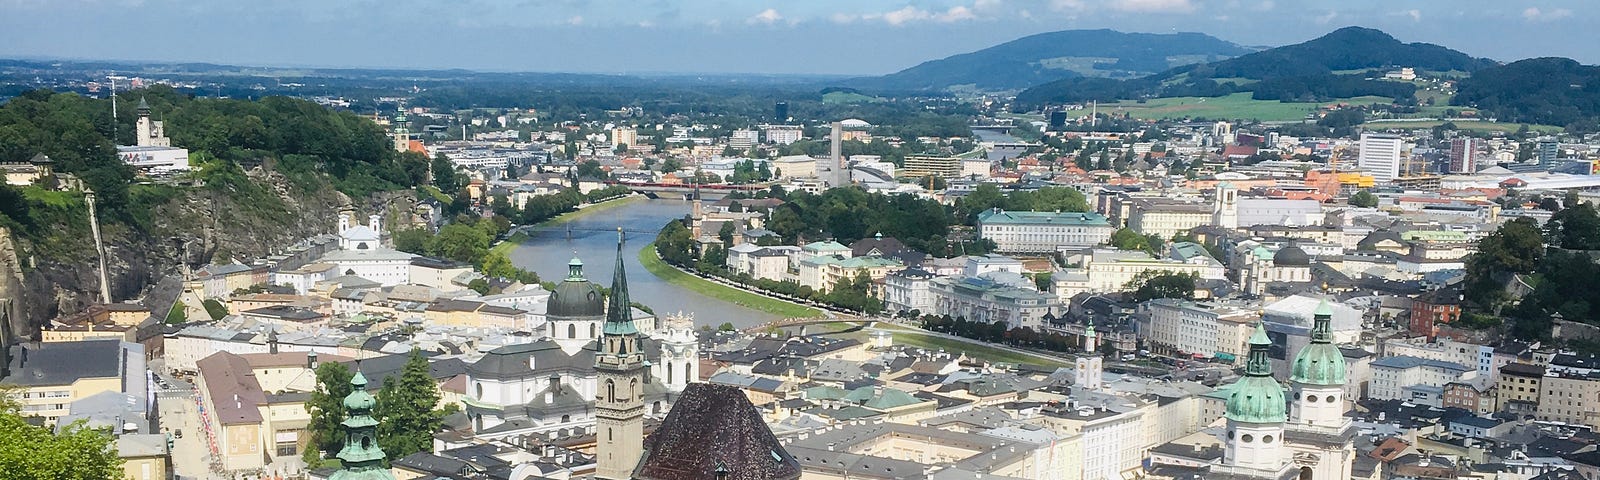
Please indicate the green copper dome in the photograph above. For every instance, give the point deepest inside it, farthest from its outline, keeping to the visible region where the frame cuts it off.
(359, 399)
(1257, 398)
(1320, 363)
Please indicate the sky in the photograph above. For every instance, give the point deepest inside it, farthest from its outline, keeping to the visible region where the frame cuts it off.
(835, 37)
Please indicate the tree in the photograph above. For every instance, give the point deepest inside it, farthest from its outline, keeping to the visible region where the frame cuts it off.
(326, 407)
(671, 165)
(77, 452)
(460, 242)
(412, 240)
(1516, 247)
(1127, 239)
(726, 233)
(1153, 284)
(1363, 199)
(444, 174)
(591, 169)
(1576, 227)
(726, 327)
(407, 411)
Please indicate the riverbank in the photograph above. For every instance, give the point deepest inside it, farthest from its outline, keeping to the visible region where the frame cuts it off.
(656, 266)
(972, 348)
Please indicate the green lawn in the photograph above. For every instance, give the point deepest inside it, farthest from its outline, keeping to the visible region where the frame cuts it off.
(1506, 127)
(653, 263)
(848, 97)
(592, 209)
(1235, 106)
(973, 350)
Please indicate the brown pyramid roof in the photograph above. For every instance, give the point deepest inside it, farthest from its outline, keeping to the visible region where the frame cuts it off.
(710, 426)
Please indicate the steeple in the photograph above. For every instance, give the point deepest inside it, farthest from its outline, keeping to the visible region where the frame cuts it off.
(144, 108)
(361, 457)
(1089, 369)
(1257, 398)
(1258, 364)
(619, 393)
(619, 312)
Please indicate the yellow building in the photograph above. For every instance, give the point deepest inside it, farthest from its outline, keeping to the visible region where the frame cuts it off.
(144, 456)
(49, 377)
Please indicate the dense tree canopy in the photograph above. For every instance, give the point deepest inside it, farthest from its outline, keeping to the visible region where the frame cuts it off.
(28, 451)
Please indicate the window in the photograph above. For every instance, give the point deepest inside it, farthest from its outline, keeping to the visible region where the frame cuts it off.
(1246, 438)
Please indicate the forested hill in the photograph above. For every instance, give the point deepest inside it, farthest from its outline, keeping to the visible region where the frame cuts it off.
(1335, 65)
(1044, 57)
(1345, 49)
(1549, 91)
(311, 160)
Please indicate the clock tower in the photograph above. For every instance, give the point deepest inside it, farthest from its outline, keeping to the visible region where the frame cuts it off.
(619, 396)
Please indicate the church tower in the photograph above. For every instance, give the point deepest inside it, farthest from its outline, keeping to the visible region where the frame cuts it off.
(696, 213)
(361, 457)
(1225, 207)
(619, 398)
(1255, 412)
(1088, 372)
(680, 353)
(402, 130)
(1322, 448)
(149, 133)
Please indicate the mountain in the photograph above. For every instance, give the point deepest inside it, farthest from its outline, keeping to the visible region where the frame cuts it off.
(1044, 57)
(1550, 91)
(1331, 66)
(1349, 48)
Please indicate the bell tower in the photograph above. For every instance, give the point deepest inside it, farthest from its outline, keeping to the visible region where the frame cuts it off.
(1088, 372)
(619, 395)
(361, 458)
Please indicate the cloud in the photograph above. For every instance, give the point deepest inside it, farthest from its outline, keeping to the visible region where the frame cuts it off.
(1065, 5)
(1534, 14)
(575, 20)
(911, 14)
(1326, 18)
(1416, 15)
(1266, 5)
(768, 17)
(1153, 6)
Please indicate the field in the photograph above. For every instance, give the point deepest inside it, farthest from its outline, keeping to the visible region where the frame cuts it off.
(653, 263)
(847, 98)
(1235, 106)
(593, 209)
(1503, 127)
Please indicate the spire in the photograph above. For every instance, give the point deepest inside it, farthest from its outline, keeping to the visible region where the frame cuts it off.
(361, 458)
(575, 269)
(1322, 324)
(144, 107)
(619, 312)
(1089, 337)
(1258, 364)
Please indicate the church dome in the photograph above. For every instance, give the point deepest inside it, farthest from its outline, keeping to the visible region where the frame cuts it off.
(576, 296)
(1320, 363)
(1291, 256)
(1257, 398)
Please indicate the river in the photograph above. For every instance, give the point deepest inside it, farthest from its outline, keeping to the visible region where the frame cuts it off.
(594, 239)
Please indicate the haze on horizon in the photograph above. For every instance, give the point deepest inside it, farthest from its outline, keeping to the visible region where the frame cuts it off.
(863, 37)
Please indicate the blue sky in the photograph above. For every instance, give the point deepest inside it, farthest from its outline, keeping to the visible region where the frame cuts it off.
(741, 36)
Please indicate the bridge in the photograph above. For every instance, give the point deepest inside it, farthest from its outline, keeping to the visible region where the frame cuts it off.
(683, 189)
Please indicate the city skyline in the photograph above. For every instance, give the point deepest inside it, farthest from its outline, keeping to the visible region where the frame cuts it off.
(709, 36)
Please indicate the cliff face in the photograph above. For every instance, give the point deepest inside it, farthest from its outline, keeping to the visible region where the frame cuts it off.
(198, 224)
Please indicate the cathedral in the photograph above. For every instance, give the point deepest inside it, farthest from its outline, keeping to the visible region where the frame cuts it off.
(1305, 436)
(559, 383)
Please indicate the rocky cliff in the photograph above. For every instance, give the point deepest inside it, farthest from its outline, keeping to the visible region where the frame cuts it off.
(199, 225)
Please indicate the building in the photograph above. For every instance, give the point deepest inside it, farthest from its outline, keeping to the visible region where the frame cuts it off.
(1289, 269)
(1518, 388)
(1165, 217)
(48, 377)
(152, 150)
(147, 132)
(1464, 155)
(1416, 380)
(552, 383)
(918, 166)
(362, 254)
(1318, 434)
(743, 139)
(1111, 270)
(715, 433)
(1434, 308)
(1198, 330)
(763, 263)
(907, 290)
(1569, 395)
(981, 299)
(1380, 155)
(623, 137)
(784, 134)
(1043, 232)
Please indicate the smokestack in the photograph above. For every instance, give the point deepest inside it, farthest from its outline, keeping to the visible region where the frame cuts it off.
(836, 156)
